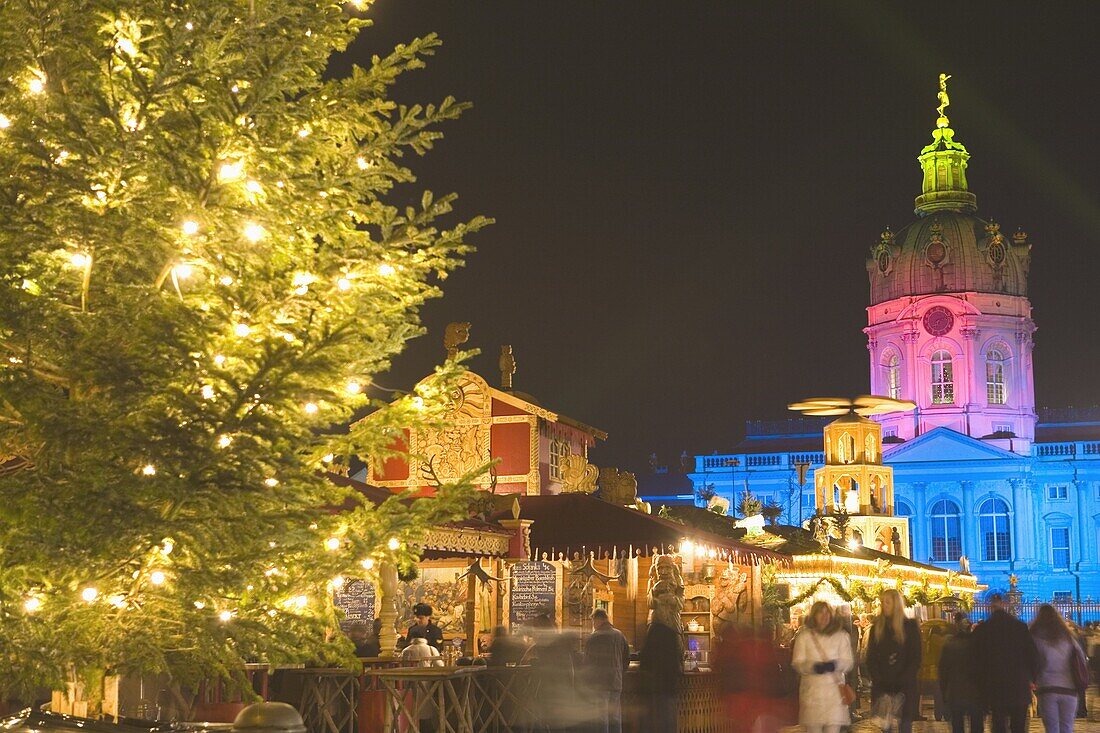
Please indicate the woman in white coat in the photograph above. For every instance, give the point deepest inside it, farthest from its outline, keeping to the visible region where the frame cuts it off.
(822, 655)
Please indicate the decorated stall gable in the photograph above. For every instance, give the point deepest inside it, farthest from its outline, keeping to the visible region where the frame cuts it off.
(358, 600)
(534, 591)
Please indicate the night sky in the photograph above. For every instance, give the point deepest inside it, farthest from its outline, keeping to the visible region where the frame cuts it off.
(686, 191)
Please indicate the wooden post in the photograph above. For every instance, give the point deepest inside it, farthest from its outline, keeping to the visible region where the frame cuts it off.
(473, 609)
(387, 637)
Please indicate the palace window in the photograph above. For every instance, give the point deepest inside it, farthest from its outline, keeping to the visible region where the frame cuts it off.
(559, 449)
(1003, 427)
(1057, 493)
(943, 379)
(995, 534)
(946, 531)
(1059, 547)
(893, 376)
(995, 377)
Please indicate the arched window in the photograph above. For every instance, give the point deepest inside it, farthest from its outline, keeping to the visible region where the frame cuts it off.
(995, 377)
(993, 525)
(892, 366)
(902, 509)
(870, 448)
(943, 379)
(846, 449)
(946, 533)
(559, 449)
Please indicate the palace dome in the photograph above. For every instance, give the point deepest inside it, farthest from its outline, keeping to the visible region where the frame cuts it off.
(948, 249)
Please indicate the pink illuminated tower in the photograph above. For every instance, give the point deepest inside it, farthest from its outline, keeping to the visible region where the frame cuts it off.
(949, 324)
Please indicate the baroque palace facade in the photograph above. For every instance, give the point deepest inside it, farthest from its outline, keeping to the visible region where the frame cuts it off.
(985, 478)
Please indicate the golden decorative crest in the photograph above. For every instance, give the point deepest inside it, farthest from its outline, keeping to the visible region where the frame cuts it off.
(618, 487)
(462, 444)
(578, 475)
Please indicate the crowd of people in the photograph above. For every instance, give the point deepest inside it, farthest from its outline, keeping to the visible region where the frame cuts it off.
(833, 671)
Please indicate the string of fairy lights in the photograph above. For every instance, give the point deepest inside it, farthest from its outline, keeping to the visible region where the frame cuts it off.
(231, 170)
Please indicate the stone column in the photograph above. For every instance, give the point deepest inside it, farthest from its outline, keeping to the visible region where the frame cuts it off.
(972, 530)
(921, 547)
(911, 378)
(387, 637)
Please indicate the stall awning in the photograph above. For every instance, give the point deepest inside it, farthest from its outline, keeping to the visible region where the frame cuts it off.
(568, 524)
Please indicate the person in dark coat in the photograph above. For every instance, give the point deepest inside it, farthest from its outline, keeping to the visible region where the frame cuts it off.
(893, 659)
(1007, 663)
(958, 684)
(606, 658)
(661, 662)
(425, 628)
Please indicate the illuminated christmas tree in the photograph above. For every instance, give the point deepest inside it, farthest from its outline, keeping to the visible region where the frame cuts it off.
(203, 261)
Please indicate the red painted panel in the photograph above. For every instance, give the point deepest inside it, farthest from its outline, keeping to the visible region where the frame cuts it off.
(396, 468)
(503, 408)
(511, 443)
(511, 488)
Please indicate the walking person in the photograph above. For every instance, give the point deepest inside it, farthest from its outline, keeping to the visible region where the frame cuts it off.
(1062, 670)
(606, 657)
(822, 656)
(893, 662)
(1006, 660)
(957, 673)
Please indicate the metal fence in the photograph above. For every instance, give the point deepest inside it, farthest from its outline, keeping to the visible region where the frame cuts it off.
(1078, 612)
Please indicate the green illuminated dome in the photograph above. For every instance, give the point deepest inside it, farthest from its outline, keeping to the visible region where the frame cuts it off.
(948, 249)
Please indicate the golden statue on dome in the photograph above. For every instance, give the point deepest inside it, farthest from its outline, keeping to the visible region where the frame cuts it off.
(945, 101)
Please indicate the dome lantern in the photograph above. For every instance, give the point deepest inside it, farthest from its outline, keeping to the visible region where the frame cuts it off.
(943, 164)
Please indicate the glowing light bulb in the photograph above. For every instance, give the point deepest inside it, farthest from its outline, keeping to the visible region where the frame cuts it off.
(225, 616)
(394, 543)
(362, 162)
(242, 329)
(332, 544)
(254, 186)
(219, 359)
(343, 284)
(224, 441)
(126, 46)
(37, 83)
(189, 26)
(300, 601)
(303, 278)
(32, 604)
(167, 546)
(89, 594)
(386, 269)
(200, 605)
(418, 402)
(149, 470)
(208, 392)
(367, 563)
(231, 171)
(183, 270)
(327, 458)
(190, 227)
(311, 408)
(5, 122)
(304, 132)
(157, 577)
(117, 600)
(254, 232)
(226, 280)
(271, 482)
(353, 387)
(338, 581)
(79, 259)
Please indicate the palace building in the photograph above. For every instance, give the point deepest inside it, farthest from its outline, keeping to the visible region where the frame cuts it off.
(986, 479)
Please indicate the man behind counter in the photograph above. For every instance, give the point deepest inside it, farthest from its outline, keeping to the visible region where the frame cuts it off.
(424, 628)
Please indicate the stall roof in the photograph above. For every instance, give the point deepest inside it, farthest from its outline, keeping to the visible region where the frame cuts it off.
(580, 523)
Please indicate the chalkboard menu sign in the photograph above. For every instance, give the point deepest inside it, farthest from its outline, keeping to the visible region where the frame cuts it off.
(534, 590)
(357, 599)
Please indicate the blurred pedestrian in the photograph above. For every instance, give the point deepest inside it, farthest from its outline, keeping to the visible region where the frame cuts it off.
(505, 649)
(661, 663)
(958, 687)
(822, 655)
(893, 662)
(606, 657)
(1062, 670)
(1006, 660)
(750, 670)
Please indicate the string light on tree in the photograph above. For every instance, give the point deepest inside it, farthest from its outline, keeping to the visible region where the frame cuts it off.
(332, 544)
(5, 122)
(225, 616)
(157, 577)
(254, 232)
(271, 482)
(225, 441)
(89, 594)
(386, 269)
(183, 271)
(394, 543)
(311, 408)
(367, 563)
(80, 260)
(190, 227)
(231, 171)
(327, 458)
(243, 330)
(353, 387)
(36, 84)
(149, 470)
(226, 280)
(343, 284)
(32, 604)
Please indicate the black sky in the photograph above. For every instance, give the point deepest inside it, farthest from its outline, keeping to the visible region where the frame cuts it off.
(685, 191)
